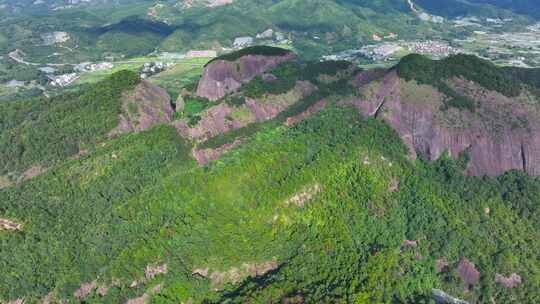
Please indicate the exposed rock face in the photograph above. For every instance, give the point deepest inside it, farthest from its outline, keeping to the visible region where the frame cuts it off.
(205, 156)
(501, 135)
(223, 118)
(441, 264)
(216, 120)
(147, 105)
(410, 243)
(442, 297)
(152, 271)
(512, 281)
(468, 273)
(308, 193)
(146, 297)
(222, 77)
(236, 274)
(84, 290)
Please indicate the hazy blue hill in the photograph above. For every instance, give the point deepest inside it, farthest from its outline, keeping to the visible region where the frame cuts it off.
(317, 26)
(525, 7)
(454, 8)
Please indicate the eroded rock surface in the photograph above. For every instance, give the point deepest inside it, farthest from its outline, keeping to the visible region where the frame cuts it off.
(236, 274)
(9, 225)
(222, 77)
(511, 281)
(301, 198)
(500, 135)
(85, 290)
(223, 118)
(442, 297)
(468, 273)
(147, 105)
(204, 156)
(146, 297)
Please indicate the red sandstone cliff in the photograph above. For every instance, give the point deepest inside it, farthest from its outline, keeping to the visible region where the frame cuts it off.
(502, 134)
(145, 106)
(221, 77)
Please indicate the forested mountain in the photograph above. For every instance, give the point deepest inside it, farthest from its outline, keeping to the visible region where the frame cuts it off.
(315, 27)
(277, 180)
(453, 8)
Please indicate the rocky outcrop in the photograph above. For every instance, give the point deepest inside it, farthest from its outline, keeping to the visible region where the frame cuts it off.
(500, 135)
(147, 105)
(306, 194)
(85, 289)
(146, 297)
(442, 297)
(468, 273)
(216, 120)
(235, 275)
(9, 225)
(222, 77)
(441, 264)
(204, 156)
(223, 118)
(512, 281)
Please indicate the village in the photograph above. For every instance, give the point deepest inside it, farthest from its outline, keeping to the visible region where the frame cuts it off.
(506, 48)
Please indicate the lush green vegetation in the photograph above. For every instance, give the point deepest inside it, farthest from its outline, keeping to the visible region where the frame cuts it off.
(332, 203)
(531, 77)
(131, 36)
(485, 73)
(261, 50)
(72, 209)
(193, 107)
(42, 131)
(104, 217)
(437, 73)
(283, 78)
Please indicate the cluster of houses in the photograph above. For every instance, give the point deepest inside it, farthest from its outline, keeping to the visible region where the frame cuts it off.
(269, 34)
(152, 68)
(62, 80)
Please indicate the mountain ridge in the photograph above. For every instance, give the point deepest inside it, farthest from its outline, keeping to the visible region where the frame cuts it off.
(307, 201)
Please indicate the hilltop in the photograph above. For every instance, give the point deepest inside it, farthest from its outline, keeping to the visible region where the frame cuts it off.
(305, 182)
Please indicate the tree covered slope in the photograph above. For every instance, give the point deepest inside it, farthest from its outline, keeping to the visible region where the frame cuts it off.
(312, 206)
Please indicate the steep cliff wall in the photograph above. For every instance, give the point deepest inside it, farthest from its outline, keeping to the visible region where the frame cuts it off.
(222, 77)
(145, 106)
(501, 134)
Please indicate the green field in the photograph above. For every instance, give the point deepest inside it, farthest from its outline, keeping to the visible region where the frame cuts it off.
(183, 74)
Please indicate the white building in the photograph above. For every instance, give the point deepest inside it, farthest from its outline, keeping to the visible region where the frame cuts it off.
(63, 80)
(268, 34)
(241, 42)
(201, 54)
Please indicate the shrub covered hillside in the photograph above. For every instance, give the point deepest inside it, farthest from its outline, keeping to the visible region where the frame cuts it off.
(43, 131)
(323, 207)
(327, 211)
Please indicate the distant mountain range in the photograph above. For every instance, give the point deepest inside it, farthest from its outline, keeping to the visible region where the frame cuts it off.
(441, 7)
(454, 8)
(314, 27)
